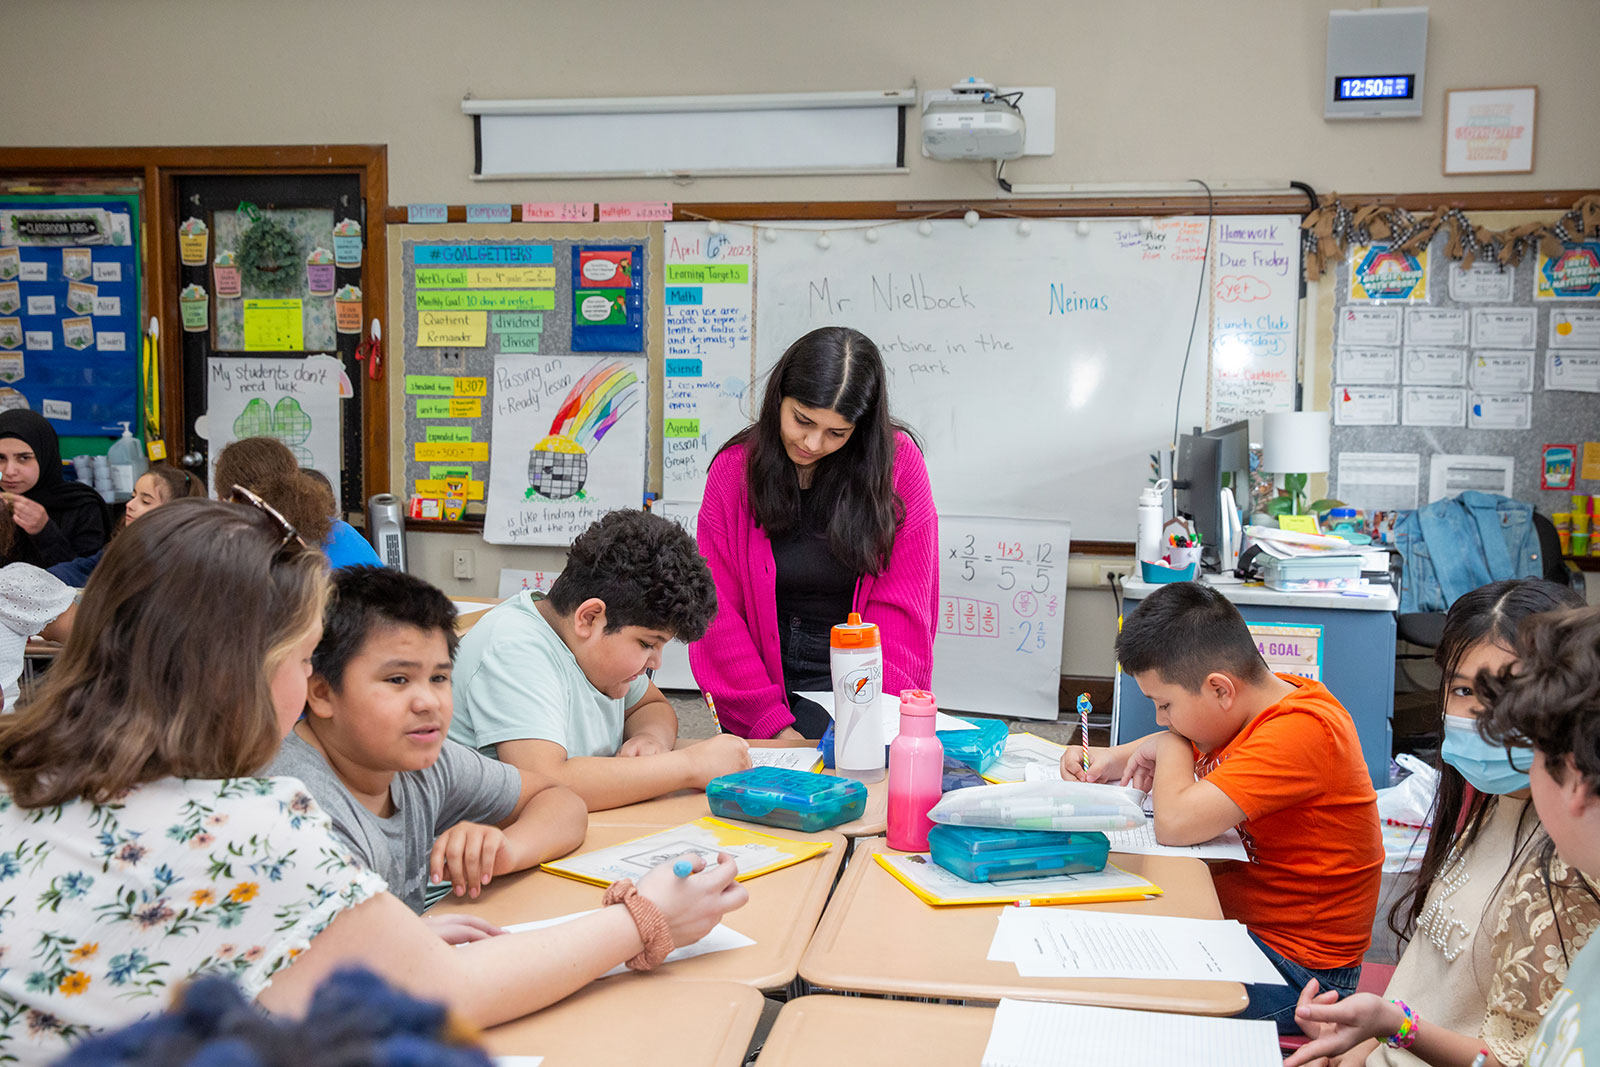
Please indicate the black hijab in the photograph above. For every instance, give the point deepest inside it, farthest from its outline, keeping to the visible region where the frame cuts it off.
(57, 495)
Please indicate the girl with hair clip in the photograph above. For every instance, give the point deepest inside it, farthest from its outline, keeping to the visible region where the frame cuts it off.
(820, 508)
(1494, 916)
(161, 484)
(140, 851)
(265, 465)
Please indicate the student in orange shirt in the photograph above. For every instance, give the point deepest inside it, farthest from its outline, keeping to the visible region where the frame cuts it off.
(1275, 755)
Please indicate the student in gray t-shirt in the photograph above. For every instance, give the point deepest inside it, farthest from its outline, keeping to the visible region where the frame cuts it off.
(371, 749)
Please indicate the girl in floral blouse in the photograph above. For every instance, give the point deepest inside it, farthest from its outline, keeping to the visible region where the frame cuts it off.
(1496, 916)
(137, 850)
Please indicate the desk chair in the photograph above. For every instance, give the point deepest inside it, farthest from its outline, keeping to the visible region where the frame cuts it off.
(1424, 628)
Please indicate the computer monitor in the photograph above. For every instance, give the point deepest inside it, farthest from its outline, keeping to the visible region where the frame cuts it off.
(1197, 491)
(1234, 457)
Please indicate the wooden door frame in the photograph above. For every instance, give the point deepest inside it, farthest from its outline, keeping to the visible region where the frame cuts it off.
(160, 167)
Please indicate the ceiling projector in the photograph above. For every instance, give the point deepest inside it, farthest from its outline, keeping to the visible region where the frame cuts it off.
(971, 122)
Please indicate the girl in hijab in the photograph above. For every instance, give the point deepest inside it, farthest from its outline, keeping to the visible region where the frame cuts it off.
(56, 520)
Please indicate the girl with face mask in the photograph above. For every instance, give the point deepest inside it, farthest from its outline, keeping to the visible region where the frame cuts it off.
(1494, 914)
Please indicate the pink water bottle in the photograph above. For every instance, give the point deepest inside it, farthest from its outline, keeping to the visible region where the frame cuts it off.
(916, 772)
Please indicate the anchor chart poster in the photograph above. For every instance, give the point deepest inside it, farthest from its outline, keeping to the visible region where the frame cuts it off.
(567, 445)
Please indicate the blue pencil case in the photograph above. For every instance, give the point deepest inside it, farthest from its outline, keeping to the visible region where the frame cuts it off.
(794, 800)
(976, 748)
(981, 855)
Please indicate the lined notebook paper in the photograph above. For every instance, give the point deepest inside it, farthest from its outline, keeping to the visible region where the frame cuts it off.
(1030, 1034)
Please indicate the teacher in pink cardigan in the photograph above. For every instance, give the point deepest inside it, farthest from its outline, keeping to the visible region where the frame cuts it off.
(820, 508)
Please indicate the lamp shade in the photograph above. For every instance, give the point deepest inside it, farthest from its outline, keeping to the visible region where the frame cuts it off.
(1295, 442)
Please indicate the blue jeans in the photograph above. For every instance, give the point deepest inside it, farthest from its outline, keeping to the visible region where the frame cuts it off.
(1276, 1002)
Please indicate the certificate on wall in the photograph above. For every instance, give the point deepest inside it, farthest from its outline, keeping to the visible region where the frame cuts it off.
(1500, 411)
(1369, 326)
(1361, 406)
(1435, 366)
(1504, 327)
(1368, 366)
(1436, 326)
(1434, 407)
(1502, 371)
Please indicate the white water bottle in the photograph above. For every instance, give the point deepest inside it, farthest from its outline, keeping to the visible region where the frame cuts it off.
(1151, 520)
(856, 658)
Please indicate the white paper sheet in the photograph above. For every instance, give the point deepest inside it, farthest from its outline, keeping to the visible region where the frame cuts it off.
(794, 759)
(1504, 327)
(1033, 1034)
(1369, 326)
(1433, 407)
(1501, 372)
(1575, 328)
(1357, 365)
(1141, 841)
(1482, 283)
(1072, 943)
(1363, 405)
(1022, 752)
(1452, 474)
(1571, 371)
(1379, 481)
(720, 939)
(1436, 326)
(1500, 411)
(1435, 366)
(889, 708)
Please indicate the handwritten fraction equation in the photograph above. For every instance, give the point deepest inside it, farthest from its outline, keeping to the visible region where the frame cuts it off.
(1020, 574)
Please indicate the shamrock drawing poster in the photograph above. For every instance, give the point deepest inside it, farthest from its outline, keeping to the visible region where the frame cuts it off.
(294, 400)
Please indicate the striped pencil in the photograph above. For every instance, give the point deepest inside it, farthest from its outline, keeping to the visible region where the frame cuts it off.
(1084, 708)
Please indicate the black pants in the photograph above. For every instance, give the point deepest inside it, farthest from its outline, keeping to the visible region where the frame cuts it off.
(805, 648)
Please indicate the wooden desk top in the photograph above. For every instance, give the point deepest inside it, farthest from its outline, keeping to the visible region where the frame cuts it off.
(821, 1031)
(876, 937)
(467, 618)
(617, 1022)
(687, 805)
(780, 916)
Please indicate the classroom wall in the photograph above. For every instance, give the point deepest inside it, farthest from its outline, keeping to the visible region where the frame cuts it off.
(1148, 90)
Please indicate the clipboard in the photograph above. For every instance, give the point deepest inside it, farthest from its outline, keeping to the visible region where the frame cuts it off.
(940, 888)
(755, 852)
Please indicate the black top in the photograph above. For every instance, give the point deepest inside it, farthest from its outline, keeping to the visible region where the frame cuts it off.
(79, 523)
(811, 582)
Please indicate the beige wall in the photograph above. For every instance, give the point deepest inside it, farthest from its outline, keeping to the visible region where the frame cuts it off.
(1148, 90)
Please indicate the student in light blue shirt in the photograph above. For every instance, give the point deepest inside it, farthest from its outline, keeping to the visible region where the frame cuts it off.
(557, 683)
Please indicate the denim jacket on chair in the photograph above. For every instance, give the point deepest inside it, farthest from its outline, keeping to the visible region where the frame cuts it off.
(1453, 546)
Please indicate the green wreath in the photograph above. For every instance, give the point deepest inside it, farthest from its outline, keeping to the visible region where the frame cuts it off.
(269, 258)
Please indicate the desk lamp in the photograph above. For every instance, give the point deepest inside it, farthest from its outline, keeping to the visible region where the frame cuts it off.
(1295, 444)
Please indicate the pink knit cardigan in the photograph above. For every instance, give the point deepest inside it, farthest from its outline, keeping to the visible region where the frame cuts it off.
(739, 661)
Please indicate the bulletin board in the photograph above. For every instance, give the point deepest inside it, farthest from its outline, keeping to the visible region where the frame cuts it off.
(70, 310)
(535, 339)
(1478, 364)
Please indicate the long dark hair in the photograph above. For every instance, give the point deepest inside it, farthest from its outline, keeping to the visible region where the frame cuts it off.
(837, 369)
(1492, 612)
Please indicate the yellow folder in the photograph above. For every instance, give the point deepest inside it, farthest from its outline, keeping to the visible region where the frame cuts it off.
(755, 852)
(942, 888)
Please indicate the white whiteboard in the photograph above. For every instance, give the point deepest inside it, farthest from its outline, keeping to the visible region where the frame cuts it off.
(1040, 371)
(1002, 598)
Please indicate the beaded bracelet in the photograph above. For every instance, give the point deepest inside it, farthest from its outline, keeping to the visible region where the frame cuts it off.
(1407, 1033)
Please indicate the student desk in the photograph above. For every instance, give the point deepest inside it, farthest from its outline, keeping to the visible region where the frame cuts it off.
(876, 937)
(780, 916)
(821, 1031)
(687, 805)
(466, 618)
(621, 1023)
(1356, 659)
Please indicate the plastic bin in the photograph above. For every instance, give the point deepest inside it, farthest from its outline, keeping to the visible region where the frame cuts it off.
(794, 800)
(980, 855)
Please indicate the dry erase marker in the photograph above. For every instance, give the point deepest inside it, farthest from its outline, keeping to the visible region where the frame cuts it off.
(683, 868)
(1481, 1058)
(712, 706)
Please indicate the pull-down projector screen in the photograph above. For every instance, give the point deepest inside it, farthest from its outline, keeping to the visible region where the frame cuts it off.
(806, 133)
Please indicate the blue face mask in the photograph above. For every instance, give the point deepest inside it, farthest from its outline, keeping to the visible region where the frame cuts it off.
(1488, 767)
